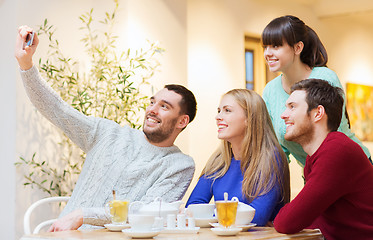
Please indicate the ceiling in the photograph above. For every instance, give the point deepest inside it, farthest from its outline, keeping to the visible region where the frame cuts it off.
(361, 10)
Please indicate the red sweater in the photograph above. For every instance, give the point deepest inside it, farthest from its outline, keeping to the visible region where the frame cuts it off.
(338, 195)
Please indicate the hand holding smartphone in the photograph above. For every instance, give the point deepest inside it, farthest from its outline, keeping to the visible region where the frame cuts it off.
(30, 38)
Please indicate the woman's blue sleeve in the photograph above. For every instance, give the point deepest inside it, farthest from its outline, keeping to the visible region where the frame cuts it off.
(265, 206)
(202, 192)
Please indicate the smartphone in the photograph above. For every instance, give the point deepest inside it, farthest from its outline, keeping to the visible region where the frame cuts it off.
(30, 38)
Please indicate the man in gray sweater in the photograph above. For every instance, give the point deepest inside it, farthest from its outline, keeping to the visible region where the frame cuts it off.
(139, 165)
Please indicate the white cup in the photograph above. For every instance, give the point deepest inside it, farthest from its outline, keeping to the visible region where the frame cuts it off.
(202, 210)
(141, 223)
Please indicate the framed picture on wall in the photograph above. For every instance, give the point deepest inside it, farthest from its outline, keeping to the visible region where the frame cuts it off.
(360, 110)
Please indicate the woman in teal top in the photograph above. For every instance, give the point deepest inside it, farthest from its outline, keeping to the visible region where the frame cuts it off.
(293, 48)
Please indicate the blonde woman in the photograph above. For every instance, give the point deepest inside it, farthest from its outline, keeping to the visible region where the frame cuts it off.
(250, 163)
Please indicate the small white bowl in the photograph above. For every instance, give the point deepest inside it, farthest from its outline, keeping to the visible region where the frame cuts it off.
(245, 214)
(203, 210)
(204, 222)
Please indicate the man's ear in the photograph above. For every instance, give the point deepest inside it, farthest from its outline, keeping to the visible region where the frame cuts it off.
(183, 121)
(319, 113)
(298, 47)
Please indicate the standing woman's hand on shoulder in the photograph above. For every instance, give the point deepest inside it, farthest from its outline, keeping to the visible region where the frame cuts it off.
(24, 53)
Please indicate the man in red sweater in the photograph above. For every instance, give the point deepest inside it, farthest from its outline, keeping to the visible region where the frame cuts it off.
(337, 197)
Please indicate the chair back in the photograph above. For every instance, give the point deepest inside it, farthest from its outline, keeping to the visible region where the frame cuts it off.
(27, 216)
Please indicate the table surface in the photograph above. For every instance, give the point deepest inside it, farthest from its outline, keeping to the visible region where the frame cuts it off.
(204, 233)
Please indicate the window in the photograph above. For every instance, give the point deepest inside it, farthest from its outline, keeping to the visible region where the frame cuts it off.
(256, 71)
(249, 62)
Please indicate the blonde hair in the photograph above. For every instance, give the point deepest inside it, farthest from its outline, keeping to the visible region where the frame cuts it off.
(263, 162)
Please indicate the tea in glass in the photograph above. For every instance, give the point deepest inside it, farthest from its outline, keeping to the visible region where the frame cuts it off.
(118, 211)
(226, 211)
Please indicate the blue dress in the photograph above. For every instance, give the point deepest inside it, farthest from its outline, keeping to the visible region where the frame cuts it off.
(266, 206)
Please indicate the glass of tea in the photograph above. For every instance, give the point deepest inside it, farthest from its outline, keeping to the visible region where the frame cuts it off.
(118, 211)
(226, 211)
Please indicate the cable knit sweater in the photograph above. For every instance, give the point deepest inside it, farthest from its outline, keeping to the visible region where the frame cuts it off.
(118, 157)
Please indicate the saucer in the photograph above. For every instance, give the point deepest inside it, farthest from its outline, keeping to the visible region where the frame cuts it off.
(244, 227)
(181, 230)
(226, 231)
(141, 234)
(116, 227)
(205, 222)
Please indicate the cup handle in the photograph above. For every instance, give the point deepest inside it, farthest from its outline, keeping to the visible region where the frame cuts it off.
(107, 209)
(158, 199)
(235, 199)
(134, 207)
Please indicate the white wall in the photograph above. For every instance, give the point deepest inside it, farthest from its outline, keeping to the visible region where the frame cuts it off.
(163, 21)
(8, 119)
(349, 48)
(215, 64)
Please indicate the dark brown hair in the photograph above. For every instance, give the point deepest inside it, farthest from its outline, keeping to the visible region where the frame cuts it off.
(188, 103)
(320, 92)
(290, 29)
